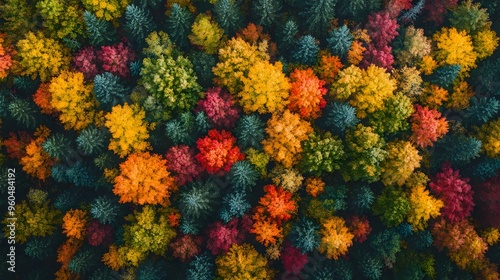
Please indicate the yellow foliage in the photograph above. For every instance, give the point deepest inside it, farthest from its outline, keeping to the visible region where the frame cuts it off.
(434, 96)
(74, 99)
(112, 258)
(401, 160)
(491, 236)
(423, 207)
(265, 89)
(428, 65)
(315, 186)
(485, 43)
(38, 56)
(489, 134)
(206, 33)
(235, 60)
(128, 129)
(243, 262)
(106, 9)
(355, 53)
(455, 47)
(348, 82)
(285, 133)
(335, 238)
(460, 97)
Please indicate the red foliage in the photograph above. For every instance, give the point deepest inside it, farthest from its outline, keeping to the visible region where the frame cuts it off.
(427, 126)
(42, 98)
(293, 259)
(455, 192)
(85, 61)
(218, 151)
(221, 236)
(276, 203)
(437, 9)
(219, 107)
(307, 93)
(381, 57)
(186, 246)
(182, 162)
(360, 227)
(487, 198)
(116, 59)
(16, 144)
(394, 7)
(381, 28)
(98, 233)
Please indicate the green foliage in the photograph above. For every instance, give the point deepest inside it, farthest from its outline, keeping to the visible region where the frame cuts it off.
(18, 17)
(202, 66)
(234, 204)
(110, 90)
(202, 267)
(84, 261)
(243, 176)
(138, 24)
(106, 209)
(287, 36)
(483, 168)
(445, 76)
(228, 15)
(304, 235)
(60, 18)
(99, 32)
(179, 25)
(41, 248)
(456, 148)
(152, 270)
(394, 117)
(185, 129)
(481, 110)
(92, 140)
(339, 41)
(23, 112)
(57, 146)
(470, 17)
(322, 154)
(250, 131)
(357, 9)
(206, 34)
(370, 267)
(386, 244)
(306, 50)
(197, 201)
(361, 199)
(392, 206)
(266, 11)
(317, 15)
(338, 117)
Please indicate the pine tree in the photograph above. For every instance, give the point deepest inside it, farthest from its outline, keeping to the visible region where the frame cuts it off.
(306, 50)
(84, 261)
(456, 148)
(243, 176)
(196, 201)
(250, 131)
(412, 14)
(138, 24)
(234, 204)
(41, 248)
(106, 209)
(481, 111)
(152, 270)
(287, 36)
(266, 11)
(339, 41)
(109, 90)
(317, 15)
(92, 140)
(202, 267)
(228, 16)
(179, 25)
(386, 244)
(338, 117)
(361, 199)
(369, 266)
(482, 168)
(357, 9)
(58, 146)
(68, 199)
(100, 32)
(202, 66)
(444, 76)
(23, 112)
(26, 85)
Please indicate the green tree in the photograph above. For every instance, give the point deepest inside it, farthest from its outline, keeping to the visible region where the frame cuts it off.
(100, 32)
(322, 154)
(179, 25)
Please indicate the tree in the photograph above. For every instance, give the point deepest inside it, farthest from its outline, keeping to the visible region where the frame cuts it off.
(455, 192)
(105, 209)
(445, 76)
(75, 223)
(234, 205)
(243, 262)
(138, 24)
(36, 162)
(340, 41)
(186, 247)
(85, 61)
(235, 61)
(61, 19)
(277, 203)
(243, 176)
(266, 11)
(285, 132)
(116, 59)
(218, 151)
(92, 140)
(470, 17)
(338, 117)
(414, 46)
(287, 36)
(317, 15)
(57, 146)
(109, 89)
(322, 154)
(179, 25)
(73, 99)
(438, 10)
(455, 47)
(250, 131)
(392, 206)
(290, 179)
(306, 94)
(23, 112)
(423, 207)
(364, 149)
(394, 117)
(202, 66)
(357, 9)
(202, 267)
(128, 129)
(177, 89)
(481, 110)
(335, 238)
(306, 50)
(265, 88)
(485, 43)
(196, 201)
(386, 244)
(6, 53)
(427, 126)
(144, 179)
(100, 32)
(228, 16)
(488, 134)
(182, 162)
(457, 149)
(219, 107)
(206, 34)
(381, 28)
(401, 160)
(329, 67)
(39, 56)
(106, 10)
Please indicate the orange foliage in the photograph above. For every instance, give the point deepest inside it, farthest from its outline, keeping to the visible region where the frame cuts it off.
(144, 179)
(307, 92)
(74, 223)
(278, 203)
(112, 258)
(315, 186)
(252, 34)
(355, 53)
(460, 97)
(434, 96)
(329, 67)
(42, 98)
(6, 53)
(267, 231)
(427, 126)
(37, 162)
(218, 151)
(16, 144)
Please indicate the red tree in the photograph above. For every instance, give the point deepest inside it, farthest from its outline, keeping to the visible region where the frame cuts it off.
(218, 151)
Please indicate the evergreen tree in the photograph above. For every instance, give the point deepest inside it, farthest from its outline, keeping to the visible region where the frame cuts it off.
(266, 11)
(201, 268)
(456, 148)
(444, 76)
(481, 111)
(306, 50)
(304, 235)
(81, 174)
(250, 131)
(183, 129)
(84, 261)
(92, 141)
(317, 15)
(361, 199)
(179, 25)
(287, 36)
(106, 209)
(357, 9)
(41, 248)
(369, 266)
(152, 270)
(202, 66)
(26, 85)
(23, 112)
(412, 14)
(109, 90)
(68, 199)
(57, 146)
(386, 244)
(228, 15)
(482, 168)
(104, 273)
(338, 117)
(100, 32)
(243, 176)
(196, 201)
(138, 24)
(234, 204)
(339, 41)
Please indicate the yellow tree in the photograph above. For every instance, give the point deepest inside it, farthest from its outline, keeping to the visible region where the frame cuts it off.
(243, 262)
(423, 206)
(74, 99)
(335, 238)
(401, 160)
(285, 132)
(265, 89)
(455, 47)
(128, 129)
